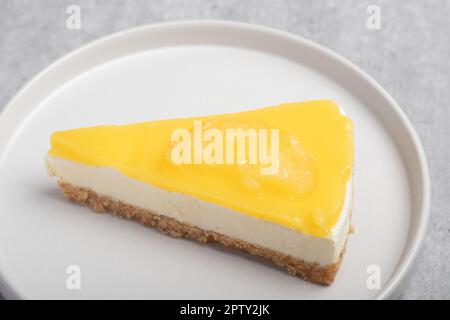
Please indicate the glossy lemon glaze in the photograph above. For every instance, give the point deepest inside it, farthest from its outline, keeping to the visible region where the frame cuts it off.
(307, 193)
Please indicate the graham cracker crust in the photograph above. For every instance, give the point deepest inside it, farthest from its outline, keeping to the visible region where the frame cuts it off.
(312, 272)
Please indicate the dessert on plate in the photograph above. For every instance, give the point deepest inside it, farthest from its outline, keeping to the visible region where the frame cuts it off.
(275, 182)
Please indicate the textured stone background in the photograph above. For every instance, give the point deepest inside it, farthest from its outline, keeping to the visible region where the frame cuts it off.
(409, 57)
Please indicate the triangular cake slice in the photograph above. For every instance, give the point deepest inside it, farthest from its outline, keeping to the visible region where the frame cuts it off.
(275, 182)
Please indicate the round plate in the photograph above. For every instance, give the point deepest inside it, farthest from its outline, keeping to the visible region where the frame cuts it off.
(185, 69)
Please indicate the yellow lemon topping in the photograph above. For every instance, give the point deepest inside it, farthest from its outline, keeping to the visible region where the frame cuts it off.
(291, 167)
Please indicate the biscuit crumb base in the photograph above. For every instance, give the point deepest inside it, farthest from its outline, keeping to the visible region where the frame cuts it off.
(309, 271)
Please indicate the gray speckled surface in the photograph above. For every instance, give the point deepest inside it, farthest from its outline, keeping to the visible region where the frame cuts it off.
(408, 56)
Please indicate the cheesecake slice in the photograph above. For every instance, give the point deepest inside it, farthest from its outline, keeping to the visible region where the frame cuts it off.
(274, 182)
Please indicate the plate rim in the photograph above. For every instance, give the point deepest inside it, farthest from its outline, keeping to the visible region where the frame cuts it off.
(416, 242)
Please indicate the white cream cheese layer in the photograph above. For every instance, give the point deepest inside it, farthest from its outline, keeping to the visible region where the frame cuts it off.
(207, 216)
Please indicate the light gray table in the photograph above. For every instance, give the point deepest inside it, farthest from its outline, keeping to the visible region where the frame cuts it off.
(409, 56)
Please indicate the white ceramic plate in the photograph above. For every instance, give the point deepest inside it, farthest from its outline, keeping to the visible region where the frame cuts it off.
(184, 69)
